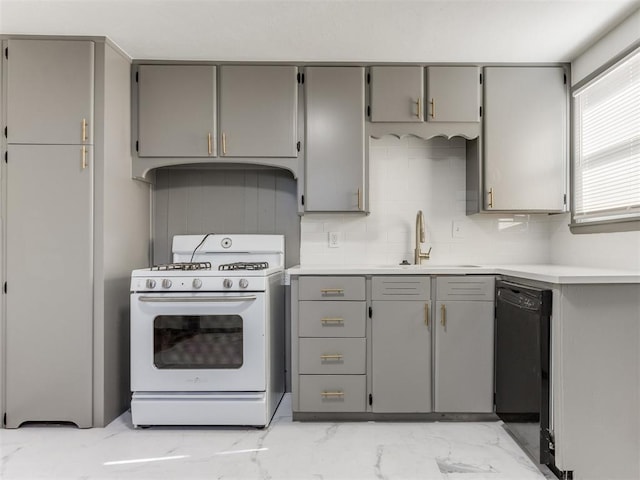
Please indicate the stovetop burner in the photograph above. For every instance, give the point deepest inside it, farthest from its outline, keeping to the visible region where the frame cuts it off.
(244, 266)
(183, 266)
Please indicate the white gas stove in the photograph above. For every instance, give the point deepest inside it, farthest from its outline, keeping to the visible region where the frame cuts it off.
(207, 333)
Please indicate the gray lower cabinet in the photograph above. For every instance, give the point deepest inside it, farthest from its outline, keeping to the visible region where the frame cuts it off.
(396, 93)
(176, 110)
(258, 110)
(50, 83)
(401, 345)
(525, 139)
(49, 336)
(453, 94)
(334, 140)
(464, 345)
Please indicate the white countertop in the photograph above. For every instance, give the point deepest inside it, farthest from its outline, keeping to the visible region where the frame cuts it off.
(556, 274)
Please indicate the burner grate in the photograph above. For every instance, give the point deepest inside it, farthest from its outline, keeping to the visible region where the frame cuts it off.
(183, 266)
(244, 266)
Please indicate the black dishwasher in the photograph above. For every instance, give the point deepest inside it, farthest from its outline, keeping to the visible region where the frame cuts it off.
(523, 320)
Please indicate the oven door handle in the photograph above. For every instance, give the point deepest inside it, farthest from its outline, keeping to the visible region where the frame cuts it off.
(152, 299)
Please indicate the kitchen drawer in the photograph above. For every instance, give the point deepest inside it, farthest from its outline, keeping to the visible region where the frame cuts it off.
(332, 393)
(331, 288)
(401, 288)
(331, 319)
(332, 356)
(465, 288)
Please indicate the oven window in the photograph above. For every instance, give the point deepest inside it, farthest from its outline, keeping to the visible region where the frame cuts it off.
(197, 341)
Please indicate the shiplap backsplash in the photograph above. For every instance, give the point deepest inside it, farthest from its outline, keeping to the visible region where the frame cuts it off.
(411, 174)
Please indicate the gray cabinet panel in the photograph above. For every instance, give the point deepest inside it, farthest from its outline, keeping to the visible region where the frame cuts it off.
(49, 298)
(464, 356)
(332, 356)
(176, 110)
(332, 288)
(525, 138)
(258, 111)
(476, 288)
(453, 94)
(397, 94)
(401, 288)
(331, 319)
(332, 393)
(50, 84)
(401, 356)
(334, 177)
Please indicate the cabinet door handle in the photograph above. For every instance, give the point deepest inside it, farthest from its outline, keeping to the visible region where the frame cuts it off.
(419, 105)
(433, 108)
(426, 314)
(209, 149)
(332, 291)
(84, 130)
(224, 143)
(84, 157)
(332, 394)
(359, 193)
(332, 320)
(491, 197)
(333, 356)
(443, 316)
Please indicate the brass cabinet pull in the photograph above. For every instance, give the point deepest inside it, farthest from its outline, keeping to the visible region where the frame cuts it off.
(491, 197)
(426, 314)
(224, 143)
(84, 130)
(84, 157)
(332, 394)
(209, 143)
(433, 108)
(419, 105)
(335, 291)
(443, 315)
(359, 193)
(335, 356)
(332, 320)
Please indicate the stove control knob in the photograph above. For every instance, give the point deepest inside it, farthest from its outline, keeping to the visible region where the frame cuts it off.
(197, 283)
(151, 283)
(244, 283)
(166, 283)
(227, 283)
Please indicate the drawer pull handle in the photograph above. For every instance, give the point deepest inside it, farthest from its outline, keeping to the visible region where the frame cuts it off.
(443, 316)
(332, 291)
(332, 356)
(209, 146)
(332, 320)
(426, 314)
(332, 394)
(419, 105)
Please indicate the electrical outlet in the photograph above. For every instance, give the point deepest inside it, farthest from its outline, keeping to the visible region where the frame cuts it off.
(334, 239)
(457, 229)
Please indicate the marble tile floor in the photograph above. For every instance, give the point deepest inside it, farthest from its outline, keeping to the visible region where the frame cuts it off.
(284, 450)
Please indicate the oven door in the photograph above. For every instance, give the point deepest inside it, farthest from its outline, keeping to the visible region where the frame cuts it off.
(198, 342)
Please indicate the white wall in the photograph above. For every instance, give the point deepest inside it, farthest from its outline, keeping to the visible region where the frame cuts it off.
(615, 250)
(411, 174)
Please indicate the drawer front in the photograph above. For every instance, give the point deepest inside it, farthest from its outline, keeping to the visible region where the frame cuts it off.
(466, 288)
(332, 356)
(331, 288)
(401, 288)
(331, 319)
(332, 393)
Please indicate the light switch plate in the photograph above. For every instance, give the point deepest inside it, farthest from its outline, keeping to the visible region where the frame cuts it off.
(334, 239)
(457, 229)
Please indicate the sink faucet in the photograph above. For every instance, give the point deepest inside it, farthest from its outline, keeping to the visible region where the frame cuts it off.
(419, 255)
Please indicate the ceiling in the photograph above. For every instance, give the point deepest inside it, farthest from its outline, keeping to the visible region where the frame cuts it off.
(329, 30)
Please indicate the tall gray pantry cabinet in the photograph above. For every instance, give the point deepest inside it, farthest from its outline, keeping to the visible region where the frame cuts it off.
(75, 226)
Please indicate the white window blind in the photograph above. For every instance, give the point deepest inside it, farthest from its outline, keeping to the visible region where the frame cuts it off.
(606, 174)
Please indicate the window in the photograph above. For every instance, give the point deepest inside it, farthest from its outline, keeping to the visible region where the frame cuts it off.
(606, 170)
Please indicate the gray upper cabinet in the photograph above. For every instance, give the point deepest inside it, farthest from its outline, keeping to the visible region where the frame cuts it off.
(525, 139)
(334, 133)
(50, 83)
(453, 94)
(176, 110)
(397, 94)
(258, 111)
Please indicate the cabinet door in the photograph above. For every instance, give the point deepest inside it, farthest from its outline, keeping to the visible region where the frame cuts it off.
(334, 139)
(401, 356)
(397, 94)
(50, 92)
(258, 111)
(453, 94)
(49, 298)
(525, 138)
(176, 110)
(464, 357)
